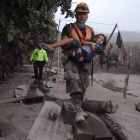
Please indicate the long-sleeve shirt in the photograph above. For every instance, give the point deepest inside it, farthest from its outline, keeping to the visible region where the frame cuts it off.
(39, 55)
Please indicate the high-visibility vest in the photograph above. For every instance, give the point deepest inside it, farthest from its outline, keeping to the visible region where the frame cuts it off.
(72, 33)
(39, 55)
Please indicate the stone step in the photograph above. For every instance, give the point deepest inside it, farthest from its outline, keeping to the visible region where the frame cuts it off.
(91, 129)
(99, 129)
(82, 131)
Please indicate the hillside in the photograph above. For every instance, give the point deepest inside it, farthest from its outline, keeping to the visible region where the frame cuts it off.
(127, 36)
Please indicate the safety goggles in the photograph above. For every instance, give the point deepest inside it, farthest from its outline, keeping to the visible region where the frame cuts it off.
(82, 7)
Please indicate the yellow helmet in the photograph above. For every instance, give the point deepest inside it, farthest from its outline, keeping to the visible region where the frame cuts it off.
(82, 7)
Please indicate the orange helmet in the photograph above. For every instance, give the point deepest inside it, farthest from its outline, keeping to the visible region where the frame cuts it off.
(82, 7)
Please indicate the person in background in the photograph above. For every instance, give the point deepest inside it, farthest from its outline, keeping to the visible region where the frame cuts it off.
(39, 55)
(76, 73)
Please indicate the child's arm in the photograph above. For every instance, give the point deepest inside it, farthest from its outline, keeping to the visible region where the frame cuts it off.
(58, 44)
(107, 54)
(89, 43)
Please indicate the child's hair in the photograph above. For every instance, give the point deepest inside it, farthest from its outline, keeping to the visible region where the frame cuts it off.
(105, 38)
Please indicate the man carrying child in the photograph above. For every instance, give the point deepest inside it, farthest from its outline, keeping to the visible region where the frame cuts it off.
(77, 58)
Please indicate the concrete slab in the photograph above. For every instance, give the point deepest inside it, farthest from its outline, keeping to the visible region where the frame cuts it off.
(91, 127)
(98, 128)
(49, 125)
(68, 113)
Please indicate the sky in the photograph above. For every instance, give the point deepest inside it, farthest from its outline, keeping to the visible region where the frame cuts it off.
(123, 12)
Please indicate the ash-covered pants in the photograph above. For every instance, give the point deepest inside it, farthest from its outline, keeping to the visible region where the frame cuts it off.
(76, 76)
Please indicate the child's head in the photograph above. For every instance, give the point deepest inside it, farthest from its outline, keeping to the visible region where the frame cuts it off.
(101, 39)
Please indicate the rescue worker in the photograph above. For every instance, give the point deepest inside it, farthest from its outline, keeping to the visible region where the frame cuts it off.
(76, 74)
(39, 54)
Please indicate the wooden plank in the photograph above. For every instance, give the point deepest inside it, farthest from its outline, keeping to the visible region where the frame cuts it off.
(31, 98)
(12, 100)
(48, 125)
(114, 127)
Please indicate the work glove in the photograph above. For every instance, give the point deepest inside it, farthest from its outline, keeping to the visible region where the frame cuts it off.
(98, 49)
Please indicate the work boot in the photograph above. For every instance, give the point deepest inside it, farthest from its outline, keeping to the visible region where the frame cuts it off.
(79, 115)
(40, 82)
(84, 114)
(79, 109)
(77, 101)
(35, 82)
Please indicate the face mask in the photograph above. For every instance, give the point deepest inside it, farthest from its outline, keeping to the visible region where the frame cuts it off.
(80, 25)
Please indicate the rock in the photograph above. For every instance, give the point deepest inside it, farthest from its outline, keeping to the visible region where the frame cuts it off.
(6, 128)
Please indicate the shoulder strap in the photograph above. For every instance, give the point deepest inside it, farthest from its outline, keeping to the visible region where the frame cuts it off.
(69, 29)
(91, 32)
(76, 32)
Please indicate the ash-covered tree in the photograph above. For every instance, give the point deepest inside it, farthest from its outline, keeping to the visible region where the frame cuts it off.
(25, 22)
